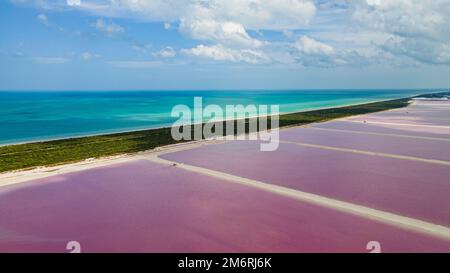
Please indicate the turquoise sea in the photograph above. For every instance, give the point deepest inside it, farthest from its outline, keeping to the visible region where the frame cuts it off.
(33, 116)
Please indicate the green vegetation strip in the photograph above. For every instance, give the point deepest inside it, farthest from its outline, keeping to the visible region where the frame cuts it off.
(24, 156)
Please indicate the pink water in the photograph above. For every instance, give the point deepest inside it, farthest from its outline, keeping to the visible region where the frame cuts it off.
(423, 148)
(144, 207)
(410, 188)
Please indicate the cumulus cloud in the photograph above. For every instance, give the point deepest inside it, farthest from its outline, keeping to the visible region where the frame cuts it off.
(235, 14)
(110, 28)
(220, 22)
(344, 31)
(310, 46)
(309, 52)
(74, 2)
(406, 18)
(425, 51)
(167, 52)
(417, 29)
(305, 51)
(253, 14)
(221, 53)
(256, 14)
(229, 33)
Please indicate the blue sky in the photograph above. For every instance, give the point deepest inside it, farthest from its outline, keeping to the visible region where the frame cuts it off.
(223, 44)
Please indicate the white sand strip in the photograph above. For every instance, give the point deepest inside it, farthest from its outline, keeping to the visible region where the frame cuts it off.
(14, 177)
(21, 176)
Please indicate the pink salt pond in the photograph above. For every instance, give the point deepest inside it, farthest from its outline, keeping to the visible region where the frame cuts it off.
(361, 127)
(434, 113)
(409, 188)
(428, 148)
(146, 207)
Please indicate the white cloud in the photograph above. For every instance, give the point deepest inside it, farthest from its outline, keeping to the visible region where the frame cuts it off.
(417, 29)
(406, 18)
(167, 52)
(344, 31)
(222, 22)
(254, 14)
(425, 51)
(221, 53)
(309, 52)
(74, 2)
(42, 18)
(217, 52)
(229, 33)
(110, 28)
(310, 46)
(50, 60)
(226, 22)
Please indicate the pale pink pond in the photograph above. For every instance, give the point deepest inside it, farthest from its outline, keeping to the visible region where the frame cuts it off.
(423, 148)
(386, 129)
(423, 112)
(410, 188)
(144, 207)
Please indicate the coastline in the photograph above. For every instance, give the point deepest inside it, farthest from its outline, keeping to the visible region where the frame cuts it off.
(129, 129)
(23, 157)
(25, 175)
(132, 130)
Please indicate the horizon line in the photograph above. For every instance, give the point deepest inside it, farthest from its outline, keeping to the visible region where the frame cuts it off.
(224, 89)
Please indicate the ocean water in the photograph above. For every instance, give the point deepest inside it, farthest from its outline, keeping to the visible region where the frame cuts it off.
(34, 116)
